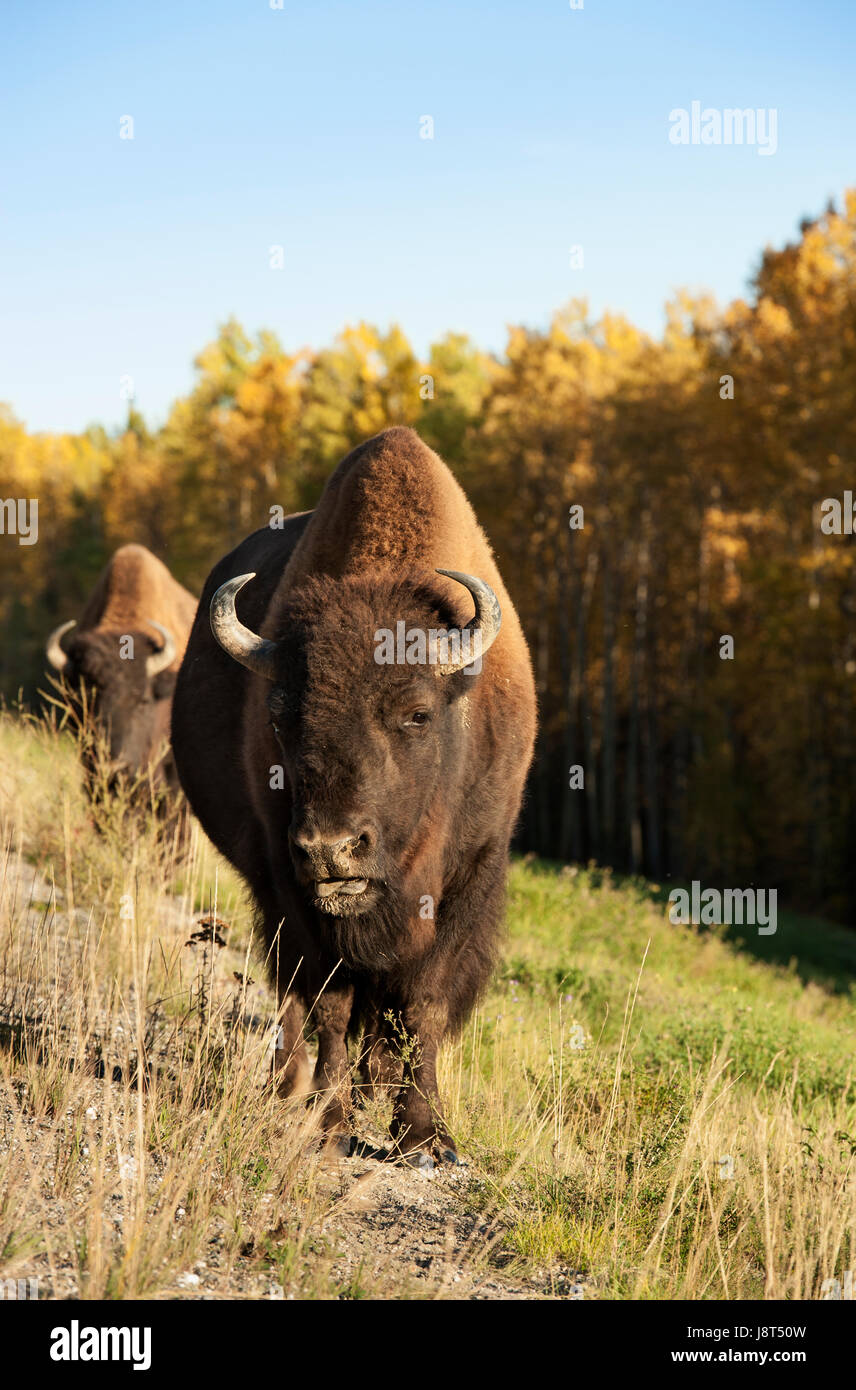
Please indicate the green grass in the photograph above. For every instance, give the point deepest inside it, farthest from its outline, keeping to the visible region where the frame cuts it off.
(608, 1090)
(584, 933)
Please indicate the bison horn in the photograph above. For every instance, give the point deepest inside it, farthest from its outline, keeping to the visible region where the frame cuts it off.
(486, 623)
(53, 650)
(159, 660)
(254, 652)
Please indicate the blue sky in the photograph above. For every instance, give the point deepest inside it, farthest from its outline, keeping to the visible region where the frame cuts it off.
(299, 127)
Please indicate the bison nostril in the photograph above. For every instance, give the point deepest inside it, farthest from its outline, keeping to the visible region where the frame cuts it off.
(349, 844)
(305, 848)
(362, 843)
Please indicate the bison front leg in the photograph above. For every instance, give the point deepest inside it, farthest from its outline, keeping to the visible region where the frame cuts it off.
(332, 1080)
(441, 995)
(291, 1066)
(417, 1125)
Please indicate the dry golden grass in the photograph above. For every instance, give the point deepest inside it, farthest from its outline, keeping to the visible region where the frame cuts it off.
(645, 1112)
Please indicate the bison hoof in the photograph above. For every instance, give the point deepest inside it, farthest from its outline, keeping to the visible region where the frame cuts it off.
(421, 1160)
(449, 1156)
(339, 1145)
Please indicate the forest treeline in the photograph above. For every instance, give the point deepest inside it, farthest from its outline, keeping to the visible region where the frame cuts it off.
(647, 499)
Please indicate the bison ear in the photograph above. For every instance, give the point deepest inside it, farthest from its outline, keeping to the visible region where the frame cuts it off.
(163, 685)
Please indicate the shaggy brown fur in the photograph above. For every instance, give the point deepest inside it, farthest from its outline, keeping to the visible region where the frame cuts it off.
(421, 773)
(133, 588)
(133, 710)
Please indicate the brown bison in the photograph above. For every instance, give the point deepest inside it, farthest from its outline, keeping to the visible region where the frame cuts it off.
(366, 791)
(126, 650)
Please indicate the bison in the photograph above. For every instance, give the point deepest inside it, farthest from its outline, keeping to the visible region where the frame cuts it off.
(128, 684)
(368, 802)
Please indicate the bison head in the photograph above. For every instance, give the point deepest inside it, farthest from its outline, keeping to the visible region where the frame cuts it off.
(127, 697)
(375, 753)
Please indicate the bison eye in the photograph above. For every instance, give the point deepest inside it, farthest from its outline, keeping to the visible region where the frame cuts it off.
(417, 719)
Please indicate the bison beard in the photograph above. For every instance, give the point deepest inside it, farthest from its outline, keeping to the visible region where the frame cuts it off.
(378, 858)
(370, 941)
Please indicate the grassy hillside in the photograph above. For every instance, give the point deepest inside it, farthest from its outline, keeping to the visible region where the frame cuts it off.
(646, 1110)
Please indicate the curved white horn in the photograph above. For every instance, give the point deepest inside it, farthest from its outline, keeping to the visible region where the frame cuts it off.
(240, 642)
(53, 648)
(158, 661)
(486, 623)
